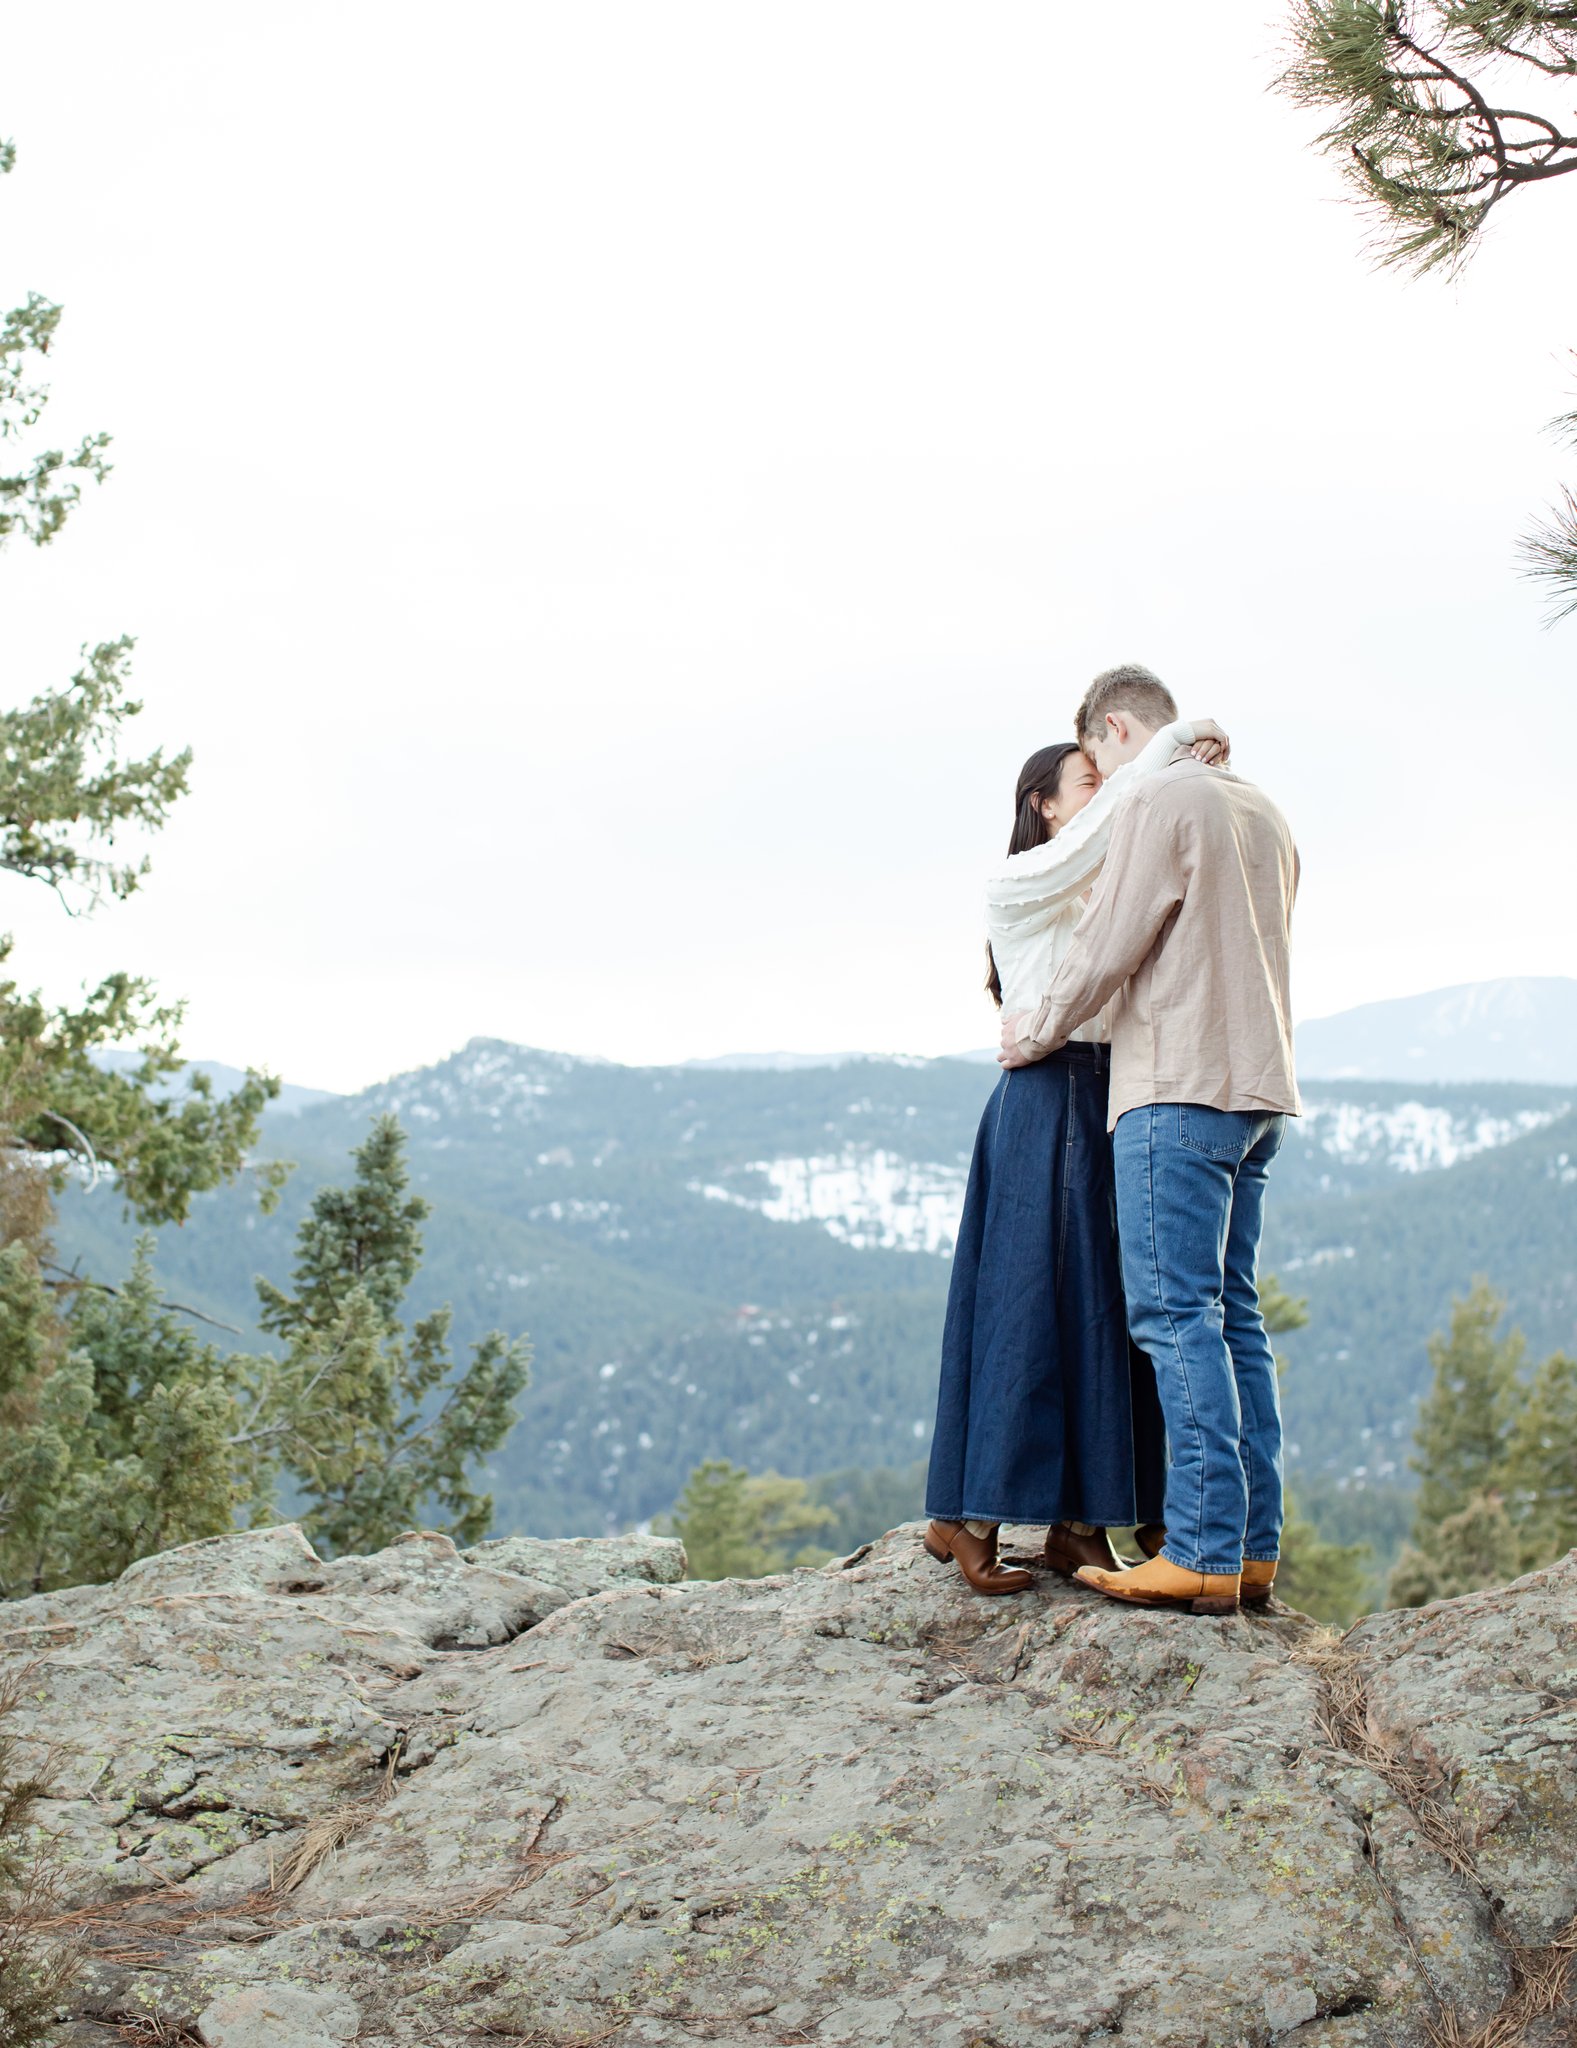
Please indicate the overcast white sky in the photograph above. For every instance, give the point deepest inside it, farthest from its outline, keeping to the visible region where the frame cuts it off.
(612, 493)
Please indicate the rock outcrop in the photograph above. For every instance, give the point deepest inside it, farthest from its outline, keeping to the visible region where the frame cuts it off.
(423, 1797)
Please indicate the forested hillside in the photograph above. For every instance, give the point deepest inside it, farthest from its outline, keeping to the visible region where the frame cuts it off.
(753, 1265)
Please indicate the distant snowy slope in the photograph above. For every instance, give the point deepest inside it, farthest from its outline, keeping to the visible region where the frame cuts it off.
(881, 1196)
(1520, 1030)
(863, 1197)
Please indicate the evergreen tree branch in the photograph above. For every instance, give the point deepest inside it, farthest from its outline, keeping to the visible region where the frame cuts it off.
(1417, 121)
(161, 1149)
(37, 499)
(1427, 145)
(69, 1280)
(1548, 554)
(301, 1412)
(53, 1116)
(66, 785)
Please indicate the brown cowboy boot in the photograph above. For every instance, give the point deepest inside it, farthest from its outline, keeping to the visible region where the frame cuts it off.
(1259, 1581)
(1160, 1583)
(1150, 1536)
(976, 1558)
(1067, 1549)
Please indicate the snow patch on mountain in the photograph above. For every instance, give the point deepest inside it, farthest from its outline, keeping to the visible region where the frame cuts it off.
(876, 1199)
(870, 1200)
(1412, 1137)
(487, 1077)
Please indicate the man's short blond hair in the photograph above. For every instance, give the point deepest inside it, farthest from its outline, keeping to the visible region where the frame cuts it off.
(1130, 688)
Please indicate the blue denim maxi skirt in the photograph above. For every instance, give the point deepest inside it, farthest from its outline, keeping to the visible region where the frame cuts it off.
(1046, 1412)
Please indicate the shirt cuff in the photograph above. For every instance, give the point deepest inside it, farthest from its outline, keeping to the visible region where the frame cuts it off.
(1030, 1046)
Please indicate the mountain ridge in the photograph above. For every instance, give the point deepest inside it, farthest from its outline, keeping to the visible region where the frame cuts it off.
(754, 1264)
(1478, 1012)
(1519, 1028)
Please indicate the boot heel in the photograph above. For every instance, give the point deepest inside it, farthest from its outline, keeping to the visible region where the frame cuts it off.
(935, 1549)
(1215, 1603)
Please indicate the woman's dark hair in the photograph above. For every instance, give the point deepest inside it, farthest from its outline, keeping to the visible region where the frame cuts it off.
(1039, 778)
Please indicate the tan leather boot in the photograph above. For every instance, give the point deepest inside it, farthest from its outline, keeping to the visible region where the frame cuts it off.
(1160, 1583)
(1258, 1582)
(976, 1558)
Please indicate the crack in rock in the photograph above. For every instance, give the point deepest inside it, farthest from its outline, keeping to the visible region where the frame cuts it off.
(853, 1806)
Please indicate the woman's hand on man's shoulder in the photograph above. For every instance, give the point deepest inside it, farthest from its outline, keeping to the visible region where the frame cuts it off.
(1211, 743)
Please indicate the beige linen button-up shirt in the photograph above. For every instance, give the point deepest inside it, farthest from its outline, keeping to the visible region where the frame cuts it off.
(1034, 899)
(1190, 922)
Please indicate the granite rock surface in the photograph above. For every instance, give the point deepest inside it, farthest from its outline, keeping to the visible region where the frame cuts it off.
(545, 1794)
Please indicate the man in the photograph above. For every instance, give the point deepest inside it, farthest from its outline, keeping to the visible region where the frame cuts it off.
(1188, 929)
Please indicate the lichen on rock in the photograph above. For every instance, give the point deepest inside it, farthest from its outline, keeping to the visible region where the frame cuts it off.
(546, 1792)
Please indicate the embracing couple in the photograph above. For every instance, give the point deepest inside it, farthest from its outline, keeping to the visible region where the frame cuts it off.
(1104, 1307)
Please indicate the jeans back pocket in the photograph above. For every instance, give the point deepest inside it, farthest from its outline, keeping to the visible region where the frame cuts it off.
(1218, 1133)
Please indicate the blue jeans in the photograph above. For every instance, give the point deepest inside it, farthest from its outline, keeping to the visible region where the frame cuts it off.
(1190, 1205)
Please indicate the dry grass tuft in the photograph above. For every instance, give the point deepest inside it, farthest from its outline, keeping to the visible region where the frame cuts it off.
(1090, 1740)
(328, 1834)
(35, 1976)
(1541, 1988)
(322, 1838)
(149, 2031)
(1541, 1977)
(1345, 1722)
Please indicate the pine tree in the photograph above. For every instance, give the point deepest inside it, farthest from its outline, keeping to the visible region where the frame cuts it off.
(71, 791)
(366, 1416)
(737, 1526)
(1422, 100)
(160, 1462)
(1473, 1548)
(1325, 1579)
(712, 1522)
(1462, 1430)
(46, 1397)
(1497, 1494)
(122, 1432)
(1331, 1581)
(1540, 1471)
(34, 1981)
(787, 1520)
(1281, 1311)
(127, 1440)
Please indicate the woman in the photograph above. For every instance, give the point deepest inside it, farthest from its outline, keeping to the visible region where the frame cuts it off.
(1046, 1413)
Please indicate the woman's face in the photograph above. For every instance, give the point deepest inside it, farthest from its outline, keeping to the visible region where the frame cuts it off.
(1080, 780)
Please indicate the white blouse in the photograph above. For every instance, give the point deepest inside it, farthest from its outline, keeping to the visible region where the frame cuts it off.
(1034, 901)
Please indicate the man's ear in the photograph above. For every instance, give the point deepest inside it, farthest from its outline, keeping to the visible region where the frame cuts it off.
(1118, 723)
